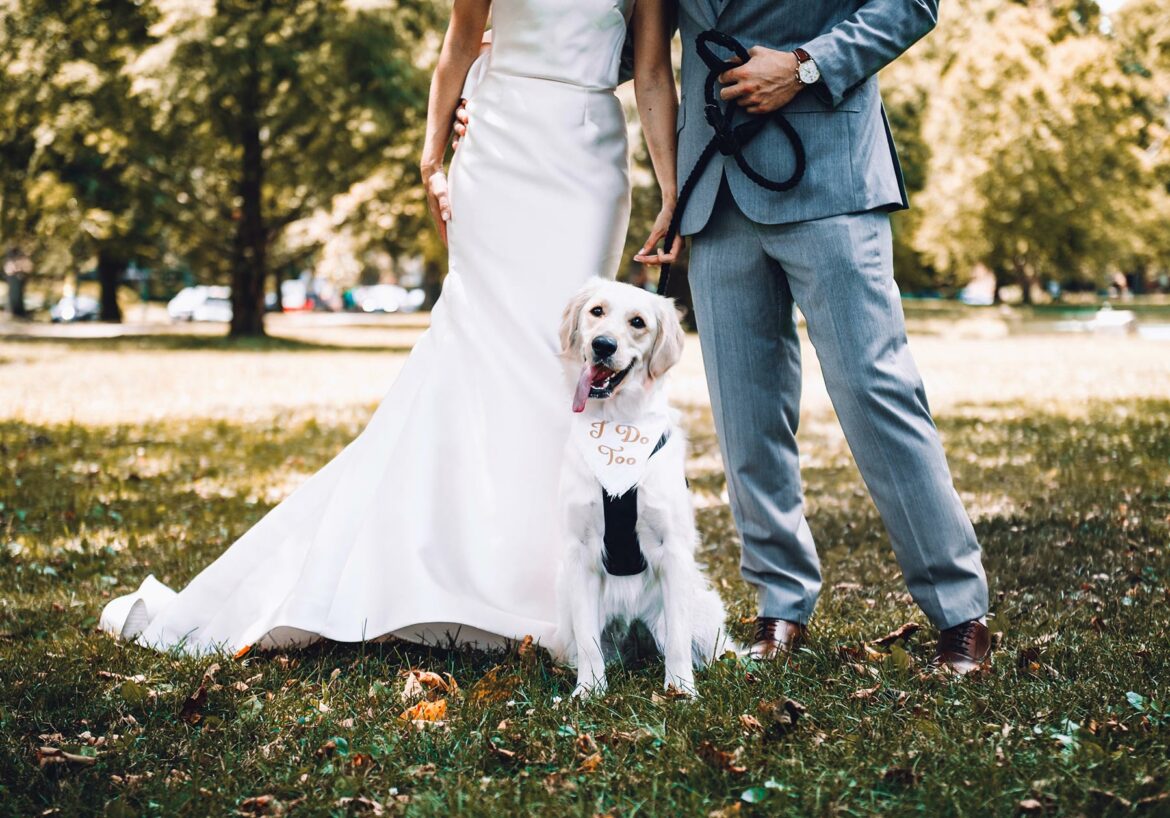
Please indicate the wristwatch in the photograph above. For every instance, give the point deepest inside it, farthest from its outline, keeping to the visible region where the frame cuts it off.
(807, 72)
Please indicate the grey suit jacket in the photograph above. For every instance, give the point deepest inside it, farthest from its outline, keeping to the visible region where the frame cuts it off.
(852, 165)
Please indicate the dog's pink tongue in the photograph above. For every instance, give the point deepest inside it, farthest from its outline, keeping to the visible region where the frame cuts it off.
(581, 395)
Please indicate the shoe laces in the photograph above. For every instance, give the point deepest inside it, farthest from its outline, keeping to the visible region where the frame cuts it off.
(961, 638)
(765, 628)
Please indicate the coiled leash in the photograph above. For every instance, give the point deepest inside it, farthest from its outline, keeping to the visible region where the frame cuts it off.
(728, 140)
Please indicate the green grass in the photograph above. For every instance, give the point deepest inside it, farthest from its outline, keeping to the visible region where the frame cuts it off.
(1074, 717)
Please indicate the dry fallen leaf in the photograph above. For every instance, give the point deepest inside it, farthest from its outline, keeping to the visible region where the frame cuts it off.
(613, 737)
(721, 759)
(412, 690)
(497, 685)
(261, 805)
(750, 723)
(903, 633)
(526, 650)
(727, 812)
(865, 694)
(422, 771)
(1030, 806)
(781, 715)
(48, 756)
(670, 694)
(502, 752)
(362, 806)
(425, 711)
(590, 764)
(192, 710)
(431, 680)
(586, 745)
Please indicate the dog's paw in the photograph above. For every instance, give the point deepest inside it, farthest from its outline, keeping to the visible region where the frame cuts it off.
(680, 686)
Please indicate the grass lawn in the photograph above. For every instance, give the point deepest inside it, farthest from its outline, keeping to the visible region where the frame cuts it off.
(120, 457)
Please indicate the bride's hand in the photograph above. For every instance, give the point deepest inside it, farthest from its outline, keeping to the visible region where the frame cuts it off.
(439, 201)
(653, 255)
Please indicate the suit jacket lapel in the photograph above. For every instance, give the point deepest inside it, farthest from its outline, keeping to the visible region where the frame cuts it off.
(717, 8)
(705, 10)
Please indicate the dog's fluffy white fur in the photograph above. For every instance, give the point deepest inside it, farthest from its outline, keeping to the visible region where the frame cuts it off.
(672, 599)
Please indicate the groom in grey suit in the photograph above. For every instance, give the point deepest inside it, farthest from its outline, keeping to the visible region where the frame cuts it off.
(825, 247)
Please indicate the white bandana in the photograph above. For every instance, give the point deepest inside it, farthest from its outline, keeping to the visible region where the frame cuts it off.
(618, 452)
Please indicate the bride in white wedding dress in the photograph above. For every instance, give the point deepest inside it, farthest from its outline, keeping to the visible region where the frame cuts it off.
(438, 524)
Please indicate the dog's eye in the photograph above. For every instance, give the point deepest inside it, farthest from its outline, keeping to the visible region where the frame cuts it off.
(637, 322)
(597, 311)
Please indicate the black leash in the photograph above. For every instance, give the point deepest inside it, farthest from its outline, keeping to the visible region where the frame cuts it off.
(728, 140)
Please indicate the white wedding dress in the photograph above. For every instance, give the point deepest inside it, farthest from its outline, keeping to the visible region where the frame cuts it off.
(438, 523)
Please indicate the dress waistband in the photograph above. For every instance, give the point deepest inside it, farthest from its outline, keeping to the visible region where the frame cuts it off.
(560, 82)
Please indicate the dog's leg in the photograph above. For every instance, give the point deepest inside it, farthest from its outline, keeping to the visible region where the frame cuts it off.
(676, 588)
(587, 625)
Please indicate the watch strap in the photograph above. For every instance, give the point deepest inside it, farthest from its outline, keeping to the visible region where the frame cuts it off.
(802, 55)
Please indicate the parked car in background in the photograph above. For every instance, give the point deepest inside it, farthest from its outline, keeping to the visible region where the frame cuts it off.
(303, 295)
(201, 303)
(387, 298)
(75, 308)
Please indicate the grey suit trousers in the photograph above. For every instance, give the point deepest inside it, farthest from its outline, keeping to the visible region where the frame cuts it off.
(745, 278)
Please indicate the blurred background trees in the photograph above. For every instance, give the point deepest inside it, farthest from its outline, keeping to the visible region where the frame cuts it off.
(157, 143)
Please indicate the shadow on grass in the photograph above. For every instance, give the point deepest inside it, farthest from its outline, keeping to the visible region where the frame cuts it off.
(1073, 716)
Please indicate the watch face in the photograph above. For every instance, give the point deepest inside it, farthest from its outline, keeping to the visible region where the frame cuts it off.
(809, 73)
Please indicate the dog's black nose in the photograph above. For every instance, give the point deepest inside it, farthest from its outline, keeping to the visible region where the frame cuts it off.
(604, 346)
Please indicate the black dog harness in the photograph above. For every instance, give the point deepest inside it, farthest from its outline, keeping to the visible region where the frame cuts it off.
(622, 556)
(728, 140)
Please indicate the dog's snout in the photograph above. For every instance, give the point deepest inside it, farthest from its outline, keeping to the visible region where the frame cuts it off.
(604, 346)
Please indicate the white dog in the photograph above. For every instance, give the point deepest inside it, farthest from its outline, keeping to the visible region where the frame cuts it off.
(626, 510)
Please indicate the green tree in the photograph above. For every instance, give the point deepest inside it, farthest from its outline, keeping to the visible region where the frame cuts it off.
(276, 106)
(80, 158)
(1037, 168)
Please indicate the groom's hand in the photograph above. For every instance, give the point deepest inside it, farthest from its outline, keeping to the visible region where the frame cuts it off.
(764, 83)
(460, 125)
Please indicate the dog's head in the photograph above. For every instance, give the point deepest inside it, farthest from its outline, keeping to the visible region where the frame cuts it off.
(618, 335)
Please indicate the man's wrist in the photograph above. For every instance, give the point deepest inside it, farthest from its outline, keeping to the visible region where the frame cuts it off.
(807, 71)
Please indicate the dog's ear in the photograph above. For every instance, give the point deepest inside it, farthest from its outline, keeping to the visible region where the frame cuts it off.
(668, 343)
(571, 319)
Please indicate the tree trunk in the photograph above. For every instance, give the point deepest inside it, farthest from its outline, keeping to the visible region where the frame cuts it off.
(110, 270)
(16, 268)
(250, 266)
(1024, 278)
(278, 281)
(16, 307)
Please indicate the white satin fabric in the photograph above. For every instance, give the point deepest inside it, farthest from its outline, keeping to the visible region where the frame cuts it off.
(438, 522)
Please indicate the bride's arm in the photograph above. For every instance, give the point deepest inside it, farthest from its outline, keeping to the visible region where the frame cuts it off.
(460, 48)
(653, 26)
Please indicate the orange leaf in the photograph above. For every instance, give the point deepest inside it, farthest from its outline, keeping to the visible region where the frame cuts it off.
(590, 764)
(425, 711)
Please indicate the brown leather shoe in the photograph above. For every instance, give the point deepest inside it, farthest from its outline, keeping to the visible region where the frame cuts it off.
(775, 637)
(963, 648)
